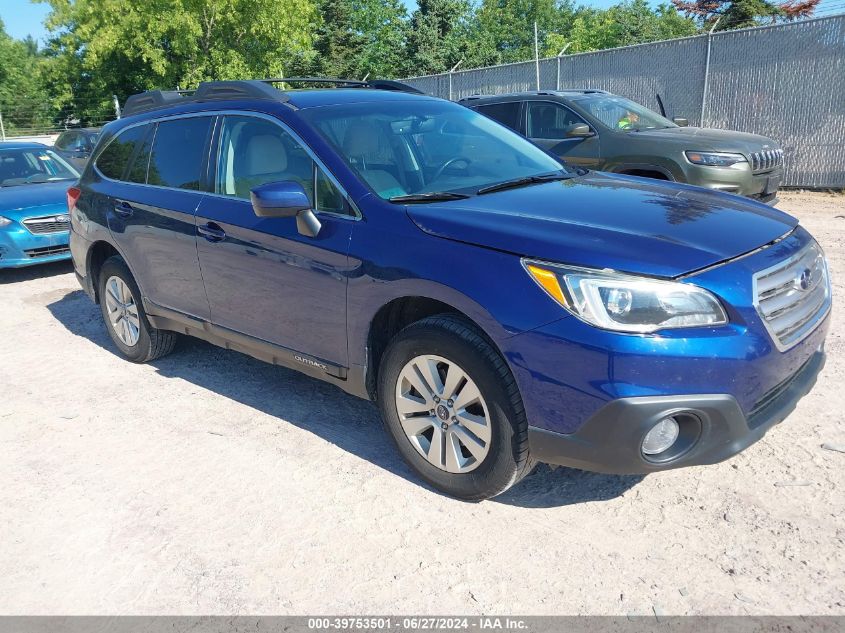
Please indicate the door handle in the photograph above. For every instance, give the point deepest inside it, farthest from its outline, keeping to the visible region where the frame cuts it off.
(212, 232)
(123, 209)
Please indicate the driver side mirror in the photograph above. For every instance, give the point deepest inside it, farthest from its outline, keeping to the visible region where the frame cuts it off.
(578, 130)
(680, 121)
(285, 199)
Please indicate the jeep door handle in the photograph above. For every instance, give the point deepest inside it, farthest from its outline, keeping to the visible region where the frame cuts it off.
(212, 232)
(123, 209)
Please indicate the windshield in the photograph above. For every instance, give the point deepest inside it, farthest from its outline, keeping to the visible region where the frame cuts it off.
(403, 148)
(27, 166)
(619, 113)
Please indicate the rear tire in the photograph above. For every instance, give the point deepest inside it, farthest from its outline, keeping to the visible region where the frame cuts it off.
(469, 444)
(126, 321)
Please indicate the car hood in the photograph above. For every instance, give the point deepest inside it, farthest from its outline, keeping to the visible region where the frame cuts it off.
(707, 139)
(23, 201)
(608, 221)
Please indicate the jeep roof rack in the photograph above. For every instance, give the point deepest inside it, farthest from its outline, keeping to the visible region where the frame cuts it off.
(541, 93)
(246, 89)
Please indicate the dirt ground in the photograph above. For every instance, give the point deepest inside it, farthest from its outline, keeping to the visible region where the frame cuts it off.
(211, 483)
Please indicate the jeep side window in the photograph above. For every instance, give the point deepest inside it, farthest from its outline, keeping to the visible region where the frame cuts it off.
(254, 151)
(113, 160)
(505, 113)
(549, 120)
(176, 159)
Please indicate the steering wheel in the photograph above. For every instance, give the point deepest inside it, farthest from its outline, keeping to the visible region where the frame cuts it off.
(449, 163)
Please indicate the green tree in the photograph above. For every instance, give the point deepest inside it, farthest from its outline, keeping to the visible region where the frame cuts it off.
(360, 37)
(510, 25)
(441, 33)
(23, 101)
(105, 47)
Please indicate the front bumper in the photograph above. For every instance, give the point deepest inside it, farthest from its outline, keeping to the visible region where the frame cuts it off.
(19, 247)
(738, 179)
(718, 428)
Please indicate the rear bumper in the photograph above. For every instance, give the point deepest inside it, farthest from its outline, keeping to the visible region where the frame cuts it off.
(717, 428)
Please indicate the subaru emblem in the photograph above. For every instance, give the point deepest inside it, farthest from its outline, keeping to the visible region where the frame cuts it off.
(805, 279)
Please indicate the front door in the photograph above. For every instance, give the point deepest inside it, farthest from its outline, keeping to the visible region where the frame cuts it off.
(262, 277)
(546, 123)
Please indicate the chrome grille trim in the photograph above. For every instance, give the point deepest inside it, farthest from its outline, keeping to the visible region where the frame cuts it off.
(47, 224)
(766, 160)
(792, 296)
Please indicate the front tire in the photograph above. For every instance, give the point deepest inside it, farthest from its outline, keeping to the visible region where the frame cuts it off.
(126, 321)
(451, 405)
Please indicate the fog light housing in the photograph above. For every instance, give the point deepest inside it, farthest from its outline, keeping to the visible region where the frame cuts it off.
(661, 437)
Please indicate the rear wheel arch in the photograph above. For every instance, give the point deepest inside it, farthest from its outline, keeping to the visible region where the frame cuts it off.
(98, 253)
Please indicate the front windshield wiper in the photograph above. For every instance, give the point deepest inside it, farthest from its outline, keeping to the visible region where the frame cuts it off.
(431, 196)
(522, 182)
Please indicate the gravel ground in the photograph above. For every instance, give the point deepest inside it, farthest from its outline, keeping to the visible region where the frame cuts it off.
(211, 483)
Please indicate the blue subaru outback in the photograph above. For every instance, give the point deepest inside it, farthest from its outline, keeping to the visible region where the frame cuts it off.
(501, 307)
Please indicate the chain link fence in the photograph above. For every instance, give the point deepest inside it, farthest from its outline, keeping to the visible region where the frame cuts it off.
(786, 82)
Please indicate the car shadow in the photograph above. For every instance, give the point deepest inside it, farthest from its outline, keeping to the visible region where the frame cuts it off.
(348, 422)
(38, 271)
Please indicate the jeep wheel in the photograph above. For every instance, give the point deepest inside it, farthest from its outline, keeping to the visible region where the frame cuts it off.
(126, 321)
(453, 409)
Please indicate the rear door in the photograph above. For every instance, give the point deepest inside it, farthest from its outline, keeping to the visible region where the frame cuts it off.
(151, 207)
(263, 278)
(546, 124)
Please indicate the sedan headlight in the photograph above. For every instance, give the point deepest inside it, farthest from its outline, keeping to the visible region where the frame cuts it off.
(626, 303)
(4, 221)
(714, 159)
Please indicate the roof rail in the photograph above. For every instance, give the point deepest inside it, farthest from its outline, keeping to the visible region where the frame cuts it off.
(246, 89)
(375, 84)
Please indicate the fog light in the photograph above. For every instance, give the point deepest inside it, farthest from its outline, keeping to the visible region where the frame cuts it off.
(661, 436)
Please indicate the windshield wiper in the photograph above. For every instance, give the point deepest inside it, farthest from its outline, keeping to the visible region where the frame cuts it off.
(522, 182)
(431, 196)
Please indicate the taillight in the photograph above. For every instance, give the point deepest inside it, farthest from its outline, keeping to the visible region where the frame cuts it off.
(72, 198)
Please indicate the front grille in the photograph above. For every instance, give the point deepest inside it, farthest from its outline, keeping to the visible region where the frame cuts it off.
(766, 160)
(755, 417)
(793, 296)
(47, 251)
(47, 224)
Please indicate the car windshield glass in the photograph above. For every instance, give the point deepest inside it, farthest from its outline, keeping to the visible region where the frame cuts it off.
(26, 166)
(619, 113)
(405, 148)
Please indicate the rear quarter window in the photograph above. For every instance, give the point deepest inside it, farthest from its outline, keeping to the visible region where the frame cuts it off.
(113, 160)
(177, 154)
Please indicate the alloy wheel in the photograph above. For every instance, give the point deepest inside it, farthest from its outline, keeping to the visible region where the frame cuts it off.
(122, 311)
(443, 414)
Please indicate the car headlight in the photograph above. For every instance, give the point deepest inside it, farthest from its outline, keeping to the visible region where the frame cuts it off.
(714, 159)
(4, 221)
(627, 303)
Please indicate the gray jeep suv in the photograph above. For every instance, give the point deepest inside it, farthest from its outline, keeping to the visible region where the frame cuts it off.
(602, 131)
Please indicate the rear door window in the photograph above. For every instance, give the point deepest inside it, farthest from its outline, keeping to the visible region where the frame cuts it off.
(506, 113)
(114, 159)
(178, 151)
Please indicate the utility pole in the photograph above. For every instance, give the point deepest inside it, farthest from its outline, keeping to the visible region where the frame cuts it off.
(116, 107)
(454, 68)
(707, 72)
(2, 127)
(536, 55)
(559, 55)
